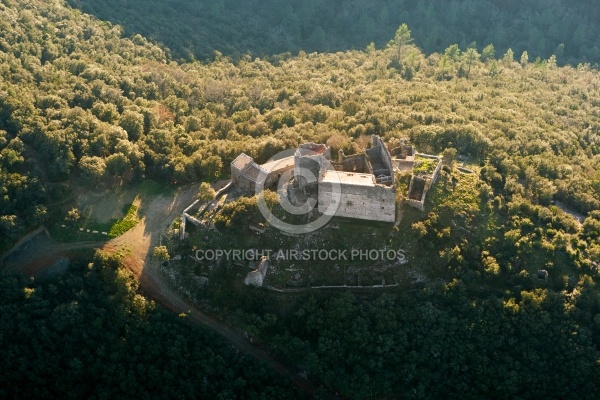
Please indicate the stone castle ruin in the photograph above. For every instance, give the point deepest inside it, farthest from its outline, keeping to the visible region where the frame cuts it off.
(420, 184)
(247, 174)
(313, 158)
(403, 157)
(360, 186)
(256, 277)
(366, 185)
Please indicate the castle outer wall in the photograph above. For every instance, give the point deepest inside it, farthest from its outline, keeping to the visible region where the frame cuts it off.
(358, 197)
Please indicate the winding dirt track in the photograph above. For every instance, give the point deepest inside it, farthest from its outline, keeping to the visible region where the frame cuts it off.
(136, 245)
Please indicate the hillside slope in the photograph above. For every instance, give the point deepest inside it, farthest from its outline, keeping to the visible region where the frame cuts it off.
(78, 98)
(193, 29)
(82, 108)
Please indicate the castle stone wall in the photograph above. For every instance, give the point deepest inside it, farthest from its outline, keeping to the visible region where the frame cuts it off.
(383, 152)
(413, 200)
(403, 165)
(358, 163)
(374, 203)
(304, 163)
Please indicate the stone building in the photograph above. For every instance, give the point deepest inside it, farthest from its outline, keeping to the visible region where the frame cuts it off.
(245, 172)
(276, 169)
(421, 183)
(247, 175)
(360, 186)
(403, 157)
(360, 196)
(363, 184)
(309, 161)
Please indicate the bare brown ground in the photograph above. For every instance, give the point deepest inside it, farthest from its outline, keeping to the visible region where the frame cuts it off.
(136, 245)
(40, 252)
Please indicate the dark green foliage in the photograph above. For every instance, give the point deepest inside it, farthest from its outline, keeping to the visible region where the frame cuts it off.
(484, 327)
(442, 343)
(194, 29)
(238, 214)
(78, 100)
(89, 334)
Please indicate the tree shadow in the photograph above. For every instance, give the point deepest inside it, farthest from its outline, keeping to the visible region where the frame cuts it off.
(196, 29)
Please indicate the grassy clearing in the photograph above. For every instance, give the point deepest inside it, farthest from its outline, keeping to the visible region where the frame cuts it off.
(70, 235)
(150, 188)
(126, 223)
(114, 212)
(89, 229)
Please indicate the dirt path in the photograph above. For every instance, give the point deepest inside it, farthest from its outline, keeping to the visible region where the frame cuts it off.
(154, 288)
(39, 251)
(136, 245)
(158, 213)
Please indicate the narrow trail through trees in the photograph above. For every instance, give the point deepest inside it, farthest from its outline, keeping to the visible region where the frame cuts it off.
(136, 245)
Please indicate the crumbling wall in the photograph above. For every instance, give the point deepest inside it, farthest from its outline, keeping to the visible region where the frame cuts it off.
(384, 154)
(403, 157)
(416, 193)
(256, 278)
(381, 161)
(436, 173)
(403, 165)
(185, 216)
(419, 205)
(420, 186)
(311, 163)
(403, 151)
(311, 157)
(314, 149)
(358, 163)
(417, 188)
(275, 174)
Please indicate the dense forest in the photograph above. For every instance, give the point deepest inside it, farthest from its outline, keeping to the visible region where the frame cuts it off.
(86, 104)
(80, 100)
(194, 29)
(477, 323)
(89, 334)
(441, 343)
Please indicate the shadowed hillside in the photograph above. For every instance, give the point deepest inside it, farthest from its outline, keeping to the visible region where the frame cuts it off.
(193, 29)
